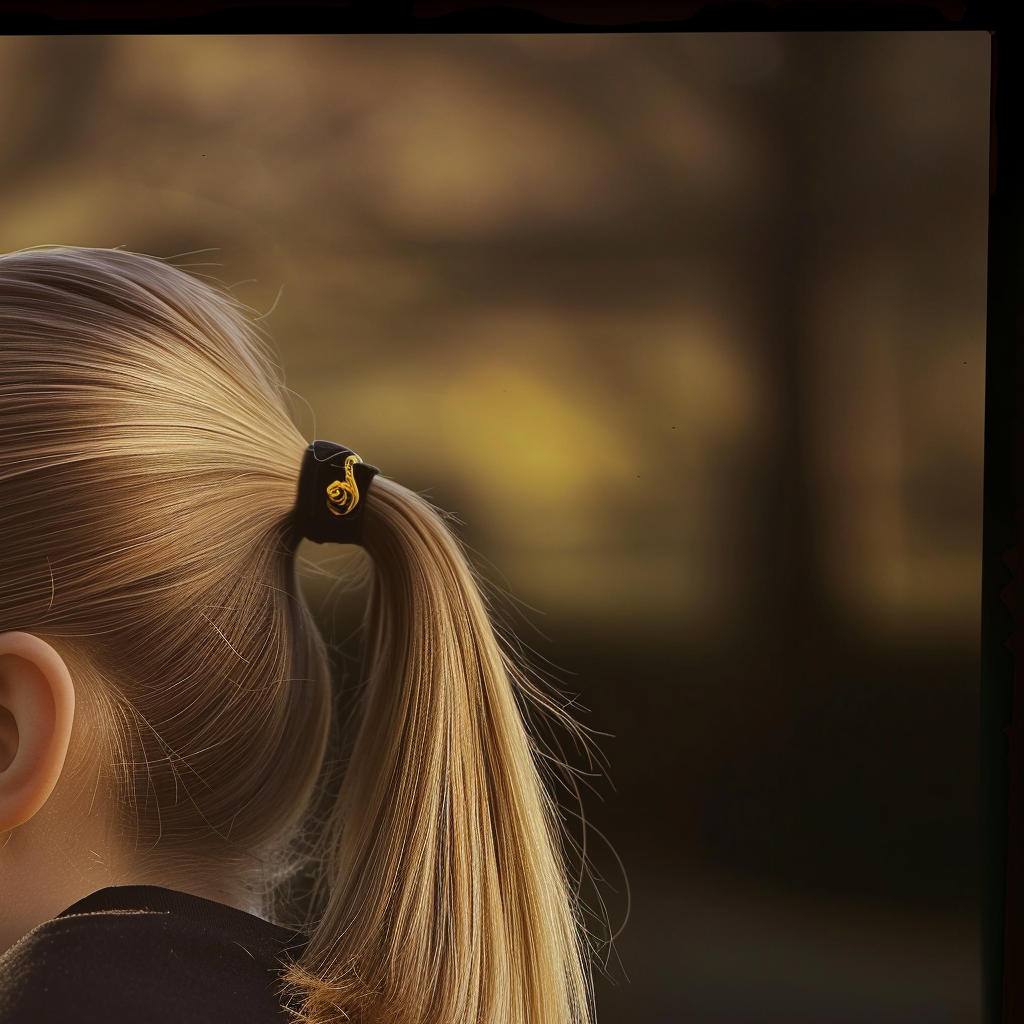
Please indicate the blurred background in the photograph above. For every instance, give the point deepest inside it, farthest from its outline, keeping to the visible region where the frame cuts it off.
(688, 331)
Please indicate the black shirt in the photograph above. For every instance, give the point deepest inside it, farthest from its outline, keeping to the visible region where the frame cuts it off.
(148, 955)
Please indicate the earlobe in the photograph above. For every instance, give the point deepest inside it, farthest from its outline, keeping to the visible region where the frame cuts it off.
(37, 706)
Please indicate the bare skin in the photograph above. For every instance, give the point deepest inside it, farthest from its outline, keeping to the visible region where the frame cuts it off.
(56, 845)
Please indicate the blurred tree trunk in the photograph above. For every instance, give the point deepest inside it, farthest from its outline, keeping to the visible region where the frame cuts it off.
(788, 629)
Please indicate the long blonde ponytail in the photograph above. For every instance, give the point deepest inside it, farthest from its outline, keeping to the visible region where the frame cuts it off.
(144, 398)
(448, 898)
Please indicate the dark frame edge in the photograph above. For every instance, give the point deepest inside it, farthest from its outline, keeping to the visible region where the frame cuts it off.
(1001, 732)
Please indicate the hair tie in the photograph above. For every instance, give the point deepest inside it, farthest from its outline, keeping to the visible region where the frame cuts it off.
(333, 483)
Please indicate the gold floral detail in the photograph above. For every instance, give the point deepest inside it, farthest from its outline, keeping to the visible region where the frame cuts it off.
(343, 495)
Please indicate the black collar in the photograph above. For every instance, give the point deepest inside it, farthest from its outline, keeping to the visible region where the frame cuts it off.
(203, 912)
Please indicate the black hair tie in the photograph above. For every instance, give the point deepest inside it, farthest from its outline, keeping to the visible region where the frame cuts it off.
(333, 483)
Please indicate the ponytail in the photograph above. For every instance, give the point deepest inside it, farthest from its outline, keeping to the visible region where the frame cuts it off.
(444, 895)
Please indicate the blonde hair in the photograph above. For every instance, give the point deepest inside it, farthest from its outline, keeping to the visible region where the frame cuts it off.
(149, 468)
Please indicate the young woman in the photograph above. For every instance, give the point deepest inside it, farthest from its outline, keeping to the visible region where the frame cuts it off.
(166, 746)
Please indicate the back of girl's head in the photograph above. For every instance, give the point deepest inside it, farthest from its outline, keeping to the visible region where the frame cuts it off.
(148, 467)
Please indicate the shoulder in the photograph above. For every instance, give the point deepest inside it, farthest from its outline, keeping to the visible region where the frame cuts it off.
(137, 965)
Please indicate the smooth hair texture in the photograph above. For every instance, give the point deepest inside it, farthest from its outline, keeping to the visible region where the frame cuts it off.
(149, 466)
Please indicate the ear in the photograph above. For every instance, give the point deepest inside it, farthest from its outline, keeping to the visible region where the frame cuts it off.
(37, 708)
